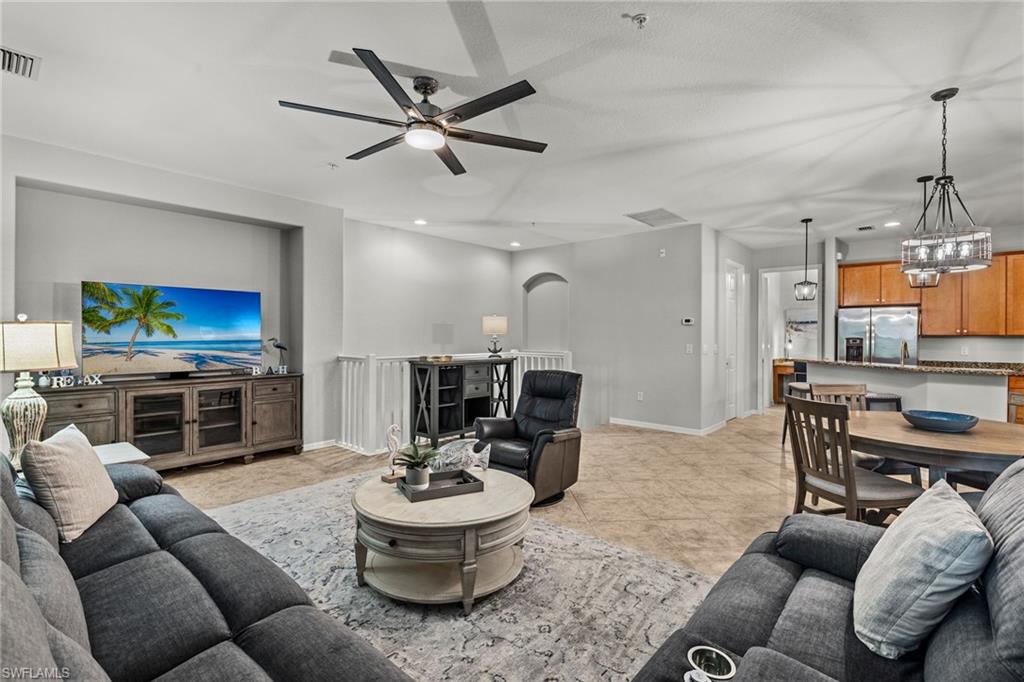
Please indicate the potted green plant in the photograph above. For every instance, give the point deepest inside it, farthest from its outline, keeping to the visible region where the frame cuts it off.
(417, 465)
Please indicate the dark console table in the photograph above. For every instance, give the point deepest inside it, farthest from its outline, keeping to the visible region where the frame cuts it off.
(179, 422)
(447, 397)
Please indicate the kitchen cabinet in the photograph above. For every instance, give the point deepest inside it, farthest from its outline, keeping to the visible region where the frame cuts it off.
(862, 285)
(895, 286)
(942, 307)
(984, 300)
(1015, 294)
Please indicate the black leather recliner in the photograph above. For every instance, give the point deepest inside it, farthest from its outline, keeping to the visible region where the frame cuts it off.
(540, 442)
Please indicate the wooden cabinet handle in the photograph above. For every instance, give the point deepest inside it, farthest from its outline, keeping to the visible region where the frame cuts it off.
(254, 422)
(79, 405)
(273, 388)
(392, 542)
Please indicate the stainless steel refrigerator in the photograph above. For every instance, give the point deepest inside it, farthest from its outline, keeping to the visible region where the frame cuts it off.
(877, 334)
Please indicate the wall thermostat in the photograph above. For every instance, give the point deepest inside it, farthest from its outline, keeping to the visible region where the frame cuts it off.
(688, 321)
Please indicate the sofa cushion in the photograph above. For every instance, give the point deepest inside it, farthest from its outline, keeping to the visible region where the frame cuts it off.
(170, 518)
(23, 643)
(304, 643)
(71, 655)
(928, 557)
(765, 665)
(117, 536)
(51, 585)
(836, 546)
(962, 647)
(232, 572)
(811, 626)
(741, 610)
(514, 454)
(1002, 512)
(226, 661)
(148, 615)
(9, 540)
(68, 480)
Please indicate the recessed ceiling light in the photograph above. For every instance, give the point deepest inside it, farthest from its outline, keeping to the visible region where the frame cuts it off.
(893, 223)
(514, 244)
(419, 221)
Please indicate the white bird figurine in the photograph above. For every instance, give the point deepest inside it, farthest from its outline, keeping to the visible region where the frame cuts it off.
(281, 348)
(394, 442)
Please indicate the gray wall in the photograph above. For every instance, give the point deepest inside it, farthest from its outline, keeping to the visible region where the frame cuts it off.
(408, 293)
(314, 253)
(626, 302)
(63, 239)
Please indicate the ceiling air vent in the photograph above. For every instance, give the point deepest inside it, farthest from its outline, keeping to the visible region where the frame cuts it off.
(658, 217)
(865, 228)
(20, 63)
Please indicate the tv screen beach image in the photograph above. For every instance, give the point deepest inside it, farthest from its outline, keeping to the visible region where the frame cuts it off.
(144, 329)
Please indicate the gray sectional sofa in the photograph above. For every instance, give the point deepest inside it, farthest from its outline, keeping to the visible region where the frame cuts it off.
(156, 590)
(784, 609)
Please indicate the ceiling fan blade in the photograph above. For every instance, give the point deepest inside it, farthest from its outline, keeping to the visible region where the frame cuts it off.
(380, 146)
(481, 105)
(496, 140)
(446, 154)
(381, 73)
(343, 114)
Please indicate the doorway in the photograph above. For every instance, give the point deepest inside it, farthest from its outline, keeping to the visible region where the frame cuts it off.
(546, 312)
(735, 278)
(787, 329)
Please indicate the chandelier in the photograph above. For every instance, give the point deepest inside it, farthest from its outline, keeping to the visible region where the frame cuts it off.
(805, 290)
(924, 280)
(946, 248)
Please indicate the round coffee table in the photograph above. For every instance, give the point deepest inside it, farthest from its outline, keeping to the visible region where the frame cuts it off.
(442, 551)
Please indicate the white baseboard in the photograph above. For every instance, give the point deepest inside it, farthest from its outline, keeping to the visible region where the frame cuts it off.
(667, 427)
(320, 445)
(751, 413)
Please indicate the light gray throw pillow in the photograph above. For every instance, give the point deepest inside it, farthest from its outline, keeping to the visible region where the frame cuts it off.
(930, 556)
(69, 481)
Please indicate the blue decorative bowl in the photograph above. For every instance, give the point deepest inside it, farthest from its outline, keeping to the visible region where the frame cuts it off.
(946, 422)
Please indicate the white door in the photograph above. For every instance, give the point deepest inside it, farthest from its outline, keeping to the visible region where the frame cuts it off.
(732, 276)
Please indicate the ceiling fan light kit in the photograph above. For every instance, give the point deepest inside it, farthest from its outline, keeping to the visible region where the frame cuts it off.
(427, 126)
(948, 247)
(424, 136)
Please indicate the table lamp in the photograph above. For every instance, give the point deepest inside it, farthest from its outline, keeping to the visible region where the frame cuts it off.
(495, 326)
(30, 346)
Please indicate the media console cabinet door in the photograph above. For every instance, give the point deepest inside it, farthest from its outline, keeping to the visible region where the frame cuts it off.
(158, 420)
(274, 421)
(219, 416)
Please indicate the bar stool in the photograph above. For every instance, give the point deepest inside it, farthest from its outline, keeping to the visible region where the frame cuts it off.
(797, 389)
(894, 399)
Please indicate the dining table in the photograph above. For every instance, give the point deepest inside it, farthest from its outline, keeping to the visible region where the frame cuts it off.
(990, 446)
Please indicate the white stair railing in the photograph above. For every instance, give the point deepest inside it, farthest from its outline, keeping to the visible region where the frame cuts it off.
(376, 392)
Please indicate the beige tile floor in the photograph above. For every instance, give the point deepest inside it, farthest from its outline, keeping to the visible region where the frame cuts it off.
(697, 501)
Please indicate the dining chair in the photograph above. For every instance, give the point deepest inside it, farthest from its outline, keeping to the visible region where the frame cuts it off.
(820, 440)
(856, 396)
(801, 389)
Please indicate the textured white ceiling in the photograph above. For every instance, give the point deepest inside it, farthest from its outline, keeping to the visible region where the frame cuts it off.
(745, 117)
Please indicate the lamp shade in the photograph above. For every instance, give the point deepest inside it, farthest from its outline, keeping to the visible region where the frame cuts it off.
(34, 346)
(495, 325)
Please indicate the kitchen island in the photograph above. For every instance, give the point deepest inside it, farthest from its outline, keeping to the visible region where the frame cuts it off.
(980, 389)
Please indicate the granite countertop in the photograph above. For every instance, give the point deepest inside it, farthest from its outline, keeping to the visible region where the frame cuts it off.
(1003, 369)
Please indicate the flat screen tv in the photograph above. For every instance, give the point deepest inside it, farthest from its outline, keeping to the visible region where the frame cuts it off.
(148, 329)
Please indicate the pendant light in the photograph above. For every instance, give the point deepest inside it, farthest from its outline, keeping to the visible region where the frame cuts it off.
(805, 290)
(947, 248)
(924, 280)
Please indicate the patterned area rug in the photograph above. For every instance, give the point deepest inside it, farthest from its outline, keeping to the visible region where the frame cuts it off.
(582, 609)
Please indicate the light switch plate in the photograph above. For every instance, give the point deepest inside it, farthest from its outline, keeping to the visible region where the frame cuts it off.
(964, 350)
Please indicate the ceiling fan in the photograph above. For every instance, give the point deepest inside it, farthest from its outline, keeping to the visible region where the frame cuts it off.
(426, 126)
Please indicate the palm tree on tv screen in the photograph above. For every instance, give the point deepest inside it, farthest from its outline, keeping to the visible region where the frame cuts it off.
(99, 299)
(148, 312)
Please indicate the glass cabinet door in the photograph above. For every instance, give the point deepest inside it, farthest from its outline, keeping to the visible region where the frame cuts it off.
(219, 416)
(157, 422)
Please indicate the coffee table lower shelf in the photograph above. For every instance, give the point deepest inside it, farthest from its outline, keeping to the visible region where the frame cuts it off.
(441, 582)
